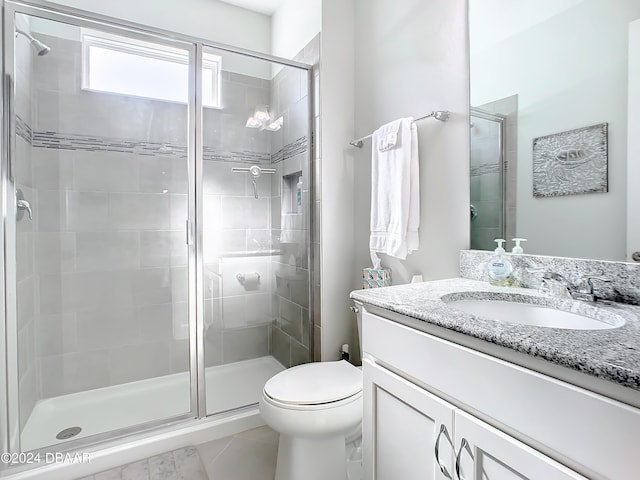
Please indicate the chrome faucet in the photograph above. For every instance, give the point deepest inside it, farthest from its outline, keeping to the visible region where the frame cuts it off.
(556, 285)
(587, 294)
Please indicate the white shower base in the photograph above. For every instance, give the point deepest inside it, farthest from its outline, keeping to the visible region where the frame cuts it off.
(106, 409)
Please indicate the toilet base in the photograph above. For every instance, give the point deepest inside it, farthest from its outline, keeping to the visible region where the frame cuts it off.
(311, 458)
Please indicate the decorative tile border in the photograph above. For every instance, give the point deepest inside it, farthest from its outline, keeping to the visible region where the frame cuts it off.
(89, 143)
(625, 277)
(245, 156)
(291, 150)
(484, 169)
(151, 149)
(23, 130)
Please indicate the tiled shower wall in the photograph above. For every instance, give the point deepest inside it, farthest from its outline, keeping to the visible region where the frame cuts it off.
(110, 256)
(292, 330)
(111, 176)
(237, 237)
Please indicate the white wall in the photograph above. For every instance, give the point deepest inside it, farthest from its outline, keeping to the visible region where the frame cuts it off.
(565, 81)
(411, 58)
(633, 145)
(293, 26)
(513, 16)
(337, 177)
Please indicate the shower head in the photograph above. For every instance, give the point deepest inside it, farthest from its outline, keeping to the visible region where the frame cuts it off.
(39, 47)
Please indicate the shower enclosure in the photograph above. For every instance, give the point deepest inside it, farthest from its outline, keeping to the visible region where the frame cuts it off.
(156, 227)
(488, 180)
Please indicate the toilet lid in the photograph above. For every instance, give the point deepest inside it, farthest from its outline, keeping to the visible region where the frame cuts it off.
(315, 383)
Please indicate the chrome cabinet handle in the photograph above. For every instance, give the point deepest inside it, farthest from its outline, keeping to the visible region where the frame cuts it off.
(464, 444)
(443, 469)
(22, 205)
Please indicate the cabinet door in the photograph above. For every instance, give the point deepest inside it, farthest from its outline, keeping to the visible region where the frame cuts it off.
(484, 453)
(406, 430)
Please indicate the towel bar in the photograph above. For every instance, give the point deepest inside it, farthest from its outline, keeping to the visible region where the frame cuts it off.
(442, 115)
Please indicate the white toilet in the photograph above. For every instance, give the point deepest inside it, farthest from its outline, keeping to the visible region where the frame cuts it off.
(317, 409)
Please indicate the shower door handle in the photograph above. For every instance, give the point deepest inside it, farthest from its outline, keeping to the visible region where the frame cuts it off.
(22, 205)
(190, 232)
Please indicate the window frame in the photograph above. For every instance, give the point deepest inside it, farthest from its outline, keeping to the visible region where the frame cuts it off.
(140, 48)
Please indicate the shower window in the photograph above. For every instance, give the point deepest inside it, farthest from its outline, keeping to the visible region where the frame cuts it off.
(128, 67)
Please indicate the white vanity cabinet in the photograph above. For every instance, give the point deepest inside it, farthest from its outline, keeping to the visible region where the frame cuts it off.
(401, 427)
(409, 433)
(485, 453)
(434, 409)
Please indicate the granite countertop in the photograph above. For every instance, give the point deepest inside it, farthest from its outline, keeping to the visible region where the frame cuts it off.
(611, 354)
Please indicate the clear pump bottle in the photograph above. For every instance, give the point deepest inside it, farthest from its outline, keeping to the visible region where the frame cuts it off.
(499, 268)
(518, 248)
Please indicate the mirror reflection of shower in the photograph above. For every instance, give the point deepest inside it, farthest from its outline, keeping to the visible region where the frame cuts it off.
(40, 48)
(488, 182)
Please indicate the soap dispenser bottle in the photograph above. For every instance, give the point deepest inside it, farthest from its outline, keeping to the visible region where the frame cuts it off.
(499, 268)
(299, 195)
(517, 248)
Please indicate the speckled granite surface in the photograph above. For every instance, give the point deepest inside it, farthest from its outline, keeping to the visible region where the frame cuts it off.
(612, 354)
(625, 277)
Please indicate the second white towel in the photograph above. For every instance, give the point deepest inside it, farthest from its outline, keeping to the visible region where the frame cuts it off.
(395, 189)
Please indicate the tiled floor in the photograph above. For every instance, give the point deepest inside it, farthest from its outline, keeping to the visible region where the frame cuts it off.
(249, 455)
(183, 464)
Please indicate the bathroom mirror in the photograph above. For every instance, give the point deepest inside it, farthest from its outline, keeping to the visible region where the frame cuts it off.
(541, 72)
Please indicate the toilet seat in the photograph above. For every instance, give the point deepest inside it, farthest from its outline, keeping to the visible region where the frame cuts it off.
(313, 408)
(320, 384)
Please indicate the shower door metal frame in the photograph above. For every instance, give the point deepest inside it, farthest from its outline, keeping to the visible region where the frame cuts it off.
(196, 314)
(10, 342)
(8, 323)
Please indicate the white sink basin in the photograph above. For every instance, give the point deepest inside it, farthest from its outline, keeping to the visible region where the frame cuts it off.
(536, 315)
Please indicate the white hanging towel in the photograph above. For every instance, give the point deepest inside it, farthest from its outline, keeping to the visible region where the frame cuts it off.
(395, 189)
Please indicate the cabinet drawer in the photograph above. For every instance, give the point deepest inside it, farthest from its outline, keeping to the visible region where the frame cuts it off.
(592, 434)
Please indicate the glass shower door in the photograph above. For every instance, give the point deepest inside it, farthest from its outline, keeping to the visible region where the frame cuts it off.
(255, 224)
(100, 186)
